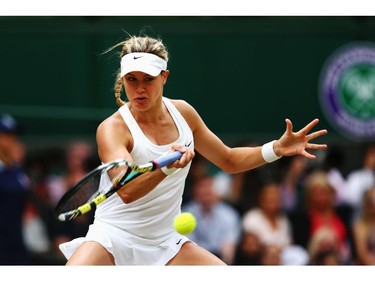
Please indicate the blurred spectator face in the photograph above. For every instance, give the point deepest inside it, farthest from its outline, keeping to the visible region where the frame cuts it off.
(6, 141)
(77, 154)
(321, 195)
(251, 244)
(8, 138)
(205, 194)
(270, 199)
(11, 150)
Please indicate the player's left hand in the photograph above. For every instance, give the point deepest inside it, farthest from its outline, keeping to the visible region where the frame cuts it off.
(293, 143)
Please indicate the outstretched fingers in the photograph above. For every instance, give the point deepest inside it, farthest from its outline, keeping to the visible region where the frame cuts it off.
(311, 136)
(306, 129)
(309, 126)
(298, 143)
(312, 146)
(316, 134)
(315, 146)
(289, 126)
(308, 155)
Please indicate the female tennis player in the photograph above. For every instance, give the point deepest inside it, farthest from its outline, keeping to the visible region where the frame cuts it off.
(135, 225)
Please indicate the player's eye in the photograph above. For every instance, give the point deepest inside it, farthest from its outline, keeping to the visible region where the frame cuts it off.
(131, 78)
(149, 79)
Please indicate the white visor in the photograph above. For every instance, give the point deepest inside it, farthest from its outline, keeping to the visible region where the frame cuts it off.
(143, 62)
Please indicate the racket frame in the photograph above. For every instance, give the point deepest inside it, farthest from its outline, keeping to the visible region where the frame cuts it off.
(132, 172)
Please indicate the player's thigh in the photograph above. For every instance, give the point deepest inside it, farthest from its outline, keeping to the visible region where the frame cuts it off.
(91, 253)
(192, 254)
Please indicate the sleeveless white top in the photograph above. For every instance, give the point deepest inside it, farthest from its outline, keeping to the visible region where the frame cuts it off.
(152, 215)
(141, 232)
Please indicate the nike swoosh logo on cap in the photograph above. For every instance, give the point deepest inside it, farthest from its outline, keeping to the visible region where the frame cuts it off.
(136, 57)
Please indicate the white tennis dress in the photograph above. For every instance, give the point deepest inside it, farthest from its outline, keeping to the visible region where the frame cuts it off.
(141, 232)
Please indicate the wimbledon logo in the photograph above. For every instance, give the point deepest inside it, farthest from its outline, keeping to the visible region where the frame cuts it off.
(347, 91)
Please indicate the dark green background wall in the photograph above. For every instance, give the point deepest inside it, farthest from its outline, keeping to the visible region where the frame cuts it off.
(244, 75)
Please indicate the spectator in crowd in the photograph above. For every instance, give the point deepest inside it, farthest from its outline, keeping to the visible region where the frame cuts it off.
(294, 172)
(241, 190)
(321, 211)
(39, 226)
(324, 248)
(78, 157)
(268, 221)
(218, 223)
(199, 169)
(74, 168)
(14, 195)
(292, 184)
(248, 249)
(332, 164)
(53, 170)
(364, 230)
(360, 180)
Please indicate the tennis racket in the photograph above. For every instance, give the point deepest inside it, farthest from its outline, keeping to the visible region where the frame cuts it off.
(85, 195)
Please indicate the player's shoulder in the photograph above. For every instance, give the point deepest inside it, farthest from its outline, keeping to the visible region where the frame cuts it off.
(188, 112)
(114, 121)
(179, 102)
(183, 106)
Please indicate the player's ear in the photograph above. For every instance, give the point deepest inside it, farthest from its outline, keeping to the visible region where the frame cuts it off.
(165, 75)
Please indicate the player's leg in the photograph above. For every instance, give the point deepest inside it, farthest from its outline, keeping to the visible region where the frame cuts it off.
(91, 253)
(192, 254)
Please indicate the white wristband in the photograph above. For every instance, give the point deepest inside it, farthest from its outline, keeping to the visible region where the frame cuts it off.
(167, 171)
(268, 153)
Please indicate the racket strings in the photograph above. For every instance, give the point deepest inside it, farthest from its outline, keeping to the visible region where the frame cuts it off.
(92, 186)
(83, 194)
(102, 182)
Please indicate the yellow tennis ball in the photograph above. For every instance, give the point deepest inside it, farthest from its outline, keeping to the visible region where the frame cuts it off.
(185, 223)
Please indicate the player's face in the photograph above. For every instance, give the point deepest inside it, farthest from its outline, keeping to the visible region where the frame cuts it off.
(143, 90)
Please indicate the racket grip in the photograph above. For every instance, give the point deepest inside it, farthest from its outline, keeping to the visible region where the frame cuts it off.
(167, 159)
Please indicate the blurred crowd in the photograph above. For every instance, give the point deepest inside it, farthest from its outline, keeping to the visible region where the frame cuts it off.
(293, 211)
(31, 184)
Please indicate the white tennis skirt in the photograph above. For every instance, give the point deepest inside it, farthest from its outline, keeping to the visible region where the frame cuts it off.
(126, 248)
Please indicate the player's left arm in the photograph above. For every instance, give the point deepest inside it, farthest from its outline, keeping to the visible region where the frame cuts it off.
(230, 160)
(239, 159)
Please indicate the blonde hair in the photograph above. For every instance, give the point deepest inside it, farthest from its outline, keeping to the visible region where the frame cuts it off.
(324, 238)
(143, 44)
(317, 179)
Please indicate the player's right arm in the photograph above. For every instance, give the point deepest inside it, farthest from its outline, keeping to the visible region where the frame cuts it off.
(114, 142)
(113, 139)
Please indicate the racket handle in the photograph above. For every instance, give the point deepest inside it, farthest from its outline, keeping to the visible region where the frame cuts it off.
(167, 159)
